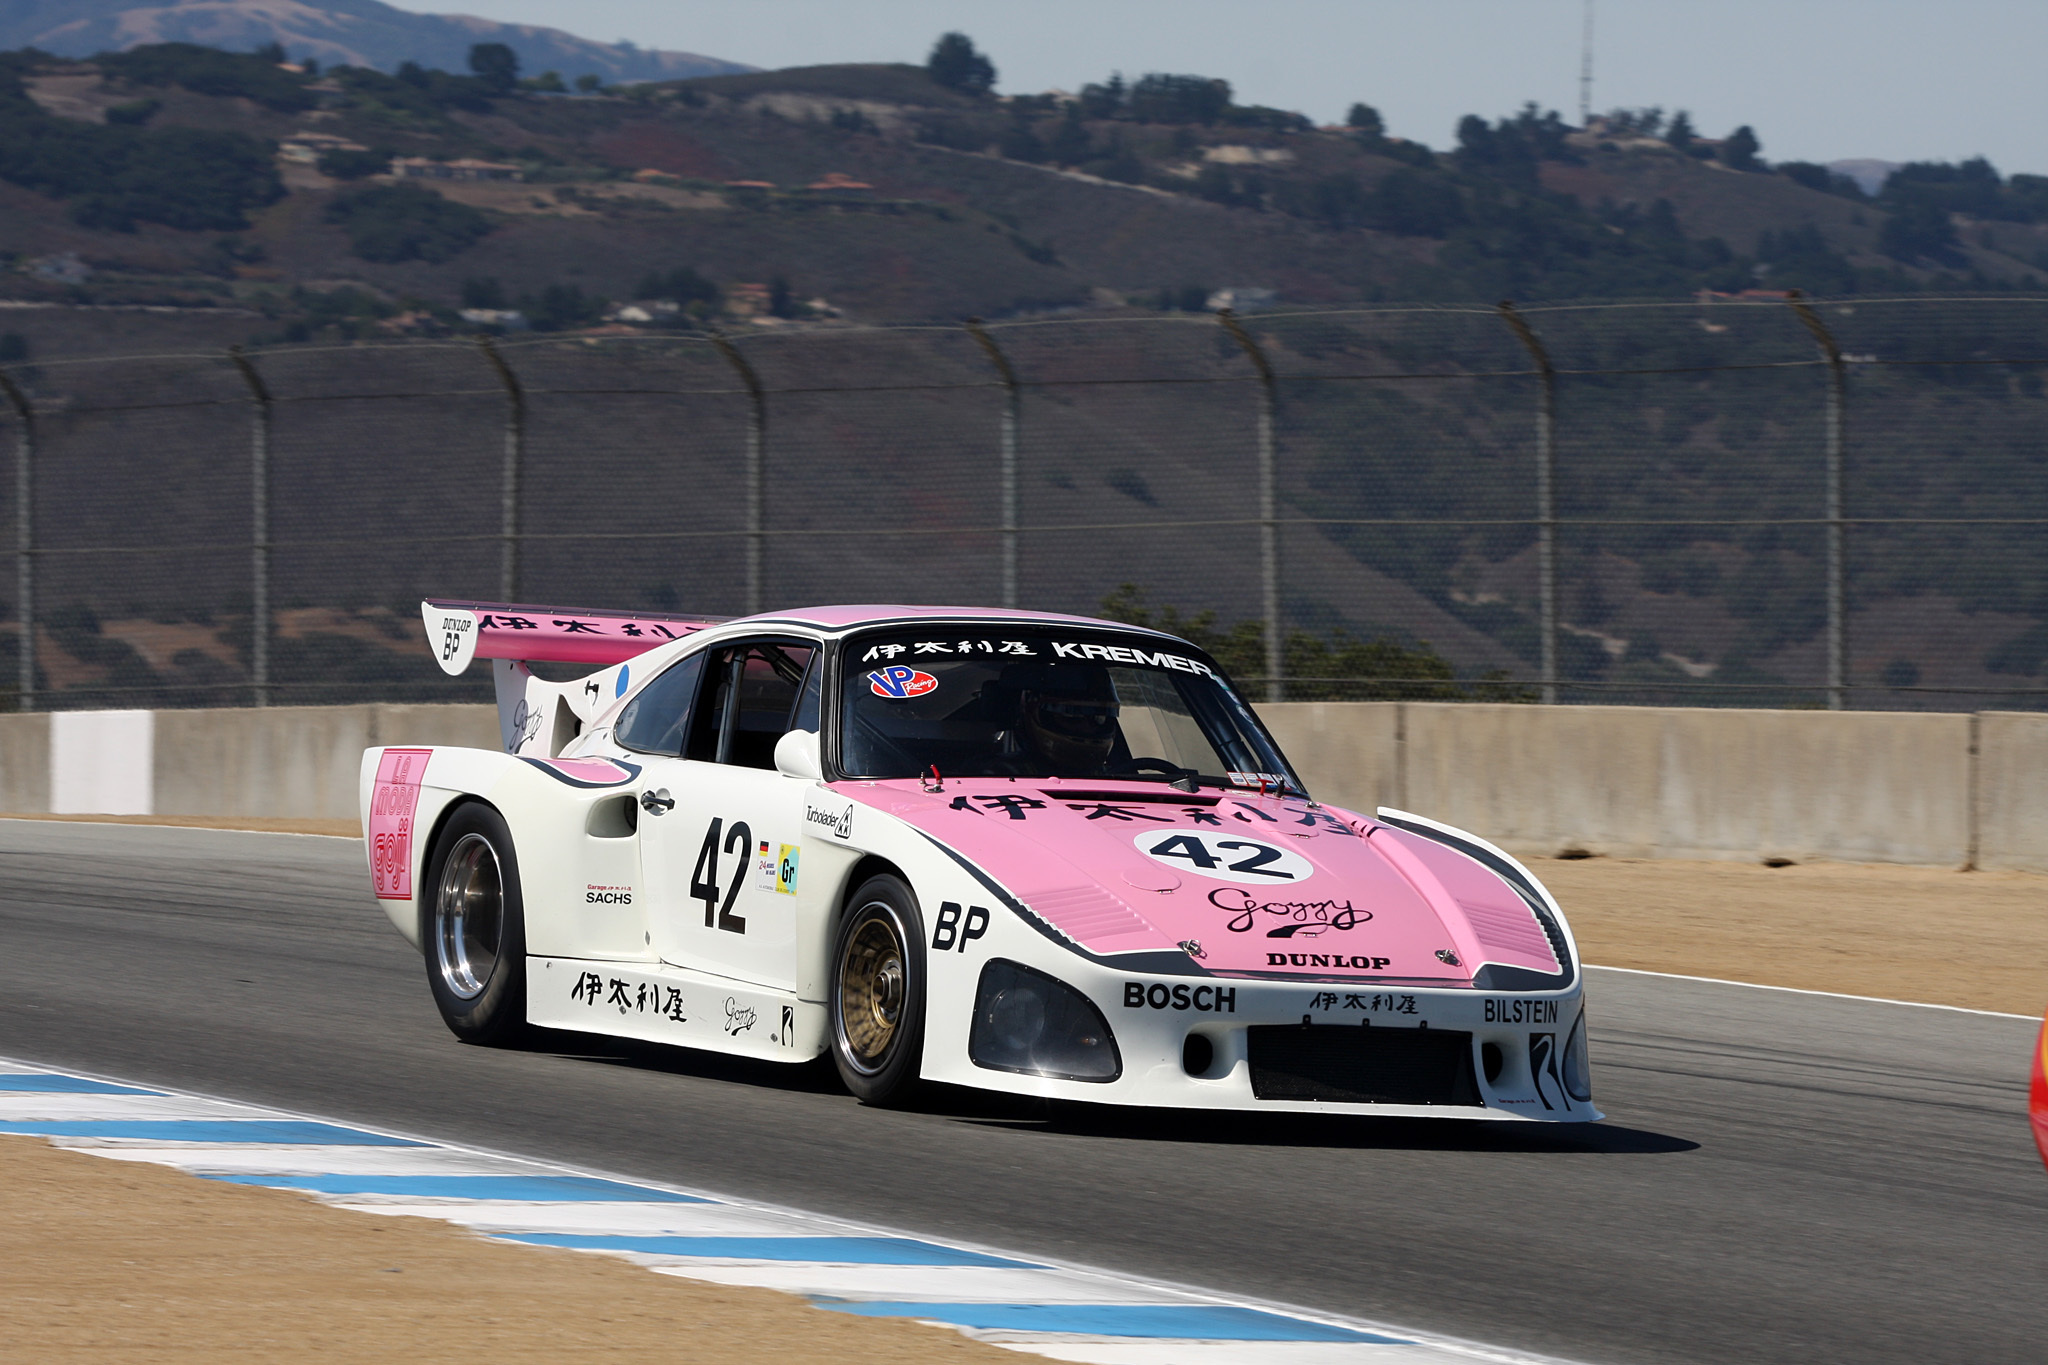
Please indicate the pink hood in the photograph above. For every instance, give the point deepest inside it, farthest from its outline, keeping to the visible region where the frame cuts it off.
(1344, 896)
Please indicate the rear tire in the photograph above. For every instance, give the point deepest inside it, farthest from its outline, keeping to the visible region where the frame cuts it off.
(473, 928)
(878, 992)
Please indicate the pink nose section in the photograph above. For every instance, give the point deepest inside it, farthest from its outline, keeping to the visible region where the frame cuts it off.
(1151, 878)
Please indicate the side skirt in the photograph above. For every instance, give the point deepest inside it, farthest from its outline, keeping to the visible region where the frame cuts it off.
(673, 1005)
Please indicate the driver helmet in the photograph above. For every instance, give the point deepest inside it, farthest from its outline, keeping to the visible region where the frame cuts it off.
(1069, 715)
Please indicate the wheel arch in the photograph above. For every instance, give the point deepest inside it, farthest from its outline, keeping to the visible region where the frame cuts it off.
(870, 865)
(421, 883)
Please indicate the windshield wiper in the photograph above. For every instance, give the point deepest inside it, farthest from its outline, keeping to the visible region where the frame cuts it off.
(1172, 774)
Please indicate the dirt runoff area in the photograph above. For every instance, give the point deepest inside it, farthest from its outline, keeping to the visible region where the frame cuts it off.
(1978, 940)
(124, 1261)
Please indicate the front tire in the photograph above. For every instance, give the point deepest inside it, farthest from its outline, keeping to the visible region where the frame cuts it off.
(473, 928)
(878, 992)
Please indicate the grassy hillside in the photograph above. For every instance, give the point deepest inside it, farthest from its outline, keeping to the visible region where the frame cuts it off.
(174, 199)
(972, 205)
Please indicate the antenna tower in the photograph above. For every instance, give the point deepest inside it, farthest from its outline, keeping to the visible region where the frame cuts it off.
(1586, 69)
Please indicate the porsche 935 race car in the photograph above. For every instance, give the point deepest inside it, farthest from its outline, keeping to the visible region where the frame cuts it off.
(1025, 852)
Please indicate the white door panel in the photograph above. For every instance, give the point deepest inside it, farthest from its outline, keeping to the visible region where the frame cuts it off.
(724, 870)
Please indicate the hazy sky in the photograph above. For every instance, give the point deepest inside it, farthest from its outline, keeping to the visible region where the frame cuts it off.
(1819, 79)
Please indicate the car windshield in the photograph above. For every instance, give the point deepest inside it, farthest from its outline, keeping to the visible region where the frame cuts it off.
(1000, 701)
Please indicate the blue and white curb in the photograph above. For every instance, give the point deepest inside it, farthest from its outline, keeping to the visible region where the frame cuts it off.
(1063, 1312)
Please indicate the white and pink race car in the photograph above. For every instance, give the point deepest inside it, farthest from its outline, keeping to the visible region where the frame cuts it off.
(1026, 852)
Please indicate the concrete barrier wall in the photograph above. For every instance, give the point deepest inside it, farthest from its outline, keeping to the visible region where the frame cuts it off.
(25, 762)
(2011, 793)
(1349, 753)
(1859, 786)
(1654, 782)
(293, 760)
(1670, 783)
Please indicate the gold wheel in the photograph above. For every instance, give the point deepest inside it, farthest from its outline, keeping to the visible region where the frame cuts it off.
(873, 985)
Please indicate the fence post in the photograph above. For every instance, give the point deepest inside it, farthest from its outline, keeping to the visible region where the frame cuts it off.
(515, 460)
(1269, 507)
(24, 538)
(259, 503)
(757, 442)
(1009, 454)
(1546, 499)
(1837, 549)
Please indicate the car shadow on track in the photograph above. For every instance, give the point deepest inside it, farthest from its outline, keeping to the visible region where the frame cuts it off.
(1021, 1113)
(813, 1078)
(1349, 1131)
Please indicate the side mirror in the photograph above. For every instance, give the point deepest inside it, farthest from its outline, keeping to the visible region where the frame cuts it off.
(797, 755)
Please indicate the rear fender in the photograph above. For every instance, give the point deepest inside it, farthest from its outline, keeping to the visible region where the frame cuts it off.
(572, 831)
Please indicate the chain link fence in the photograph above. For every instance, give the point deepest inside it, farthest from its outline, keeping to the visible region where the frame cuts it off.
(1761, 501)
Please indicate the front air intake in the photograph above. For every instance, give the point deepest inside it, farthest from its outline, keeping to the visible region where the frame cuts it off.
(1356, 1065)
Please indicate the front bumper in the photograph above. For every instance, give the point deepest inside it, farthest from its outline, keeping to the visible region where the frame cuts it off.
(1289, 1047)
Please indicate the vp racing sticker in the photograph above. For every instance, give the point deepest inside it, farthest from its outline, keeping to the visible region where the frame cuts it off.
(1225, 855)
(900, 682)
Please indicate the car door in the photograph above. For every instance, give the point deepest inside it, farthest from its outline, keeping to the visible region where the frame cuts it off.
(723, 866)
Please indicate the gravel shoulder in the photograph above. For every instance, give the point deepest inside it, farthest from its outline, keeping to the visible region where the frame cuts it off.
(1976, 940)
(119, 1260)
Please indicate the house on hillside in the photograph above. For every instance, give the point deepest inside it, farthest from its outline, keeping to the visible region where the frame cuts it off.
(307, 148)
(747, 300)
(62, 268)
(463, 168)
(1241, 299)
(839, 183)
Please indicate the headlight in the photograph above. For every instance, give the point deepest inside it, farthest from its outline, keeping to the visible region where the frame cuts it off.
(1026, 1021)
(1578, 1073)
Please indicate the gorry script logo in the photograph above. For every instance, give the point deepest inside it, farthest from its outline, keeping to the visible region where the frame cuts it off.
(1304, 919)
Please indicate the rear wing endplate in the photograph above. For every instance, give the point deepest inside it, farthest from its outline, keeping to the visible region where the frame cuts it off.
(537, 718)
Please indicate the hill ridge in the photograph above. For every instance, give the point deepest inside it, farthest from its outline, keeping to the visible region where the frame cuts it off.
(352, 32)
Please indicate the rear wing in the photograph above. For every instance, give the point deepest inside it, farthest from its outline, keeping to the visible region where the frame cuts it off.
(537, 718)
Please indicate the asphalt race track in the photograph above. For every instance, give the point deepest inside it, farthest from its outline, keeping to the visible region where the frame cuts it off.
(1781, 1178)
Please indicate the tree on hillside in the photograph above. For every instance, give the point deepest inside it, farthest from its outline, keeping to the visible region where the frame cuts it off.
(1636, 122)
(1679, 132)
(1162, 98)
(1069, 144)
(1105, 100)
(496, 65)
(1739, 152)
(1379, 669)
(1365, 121)
(406, 222)
(955, 64)
(1817, 177)
(1974, 187)
(1919, 231)
(343, 164)
(483, 291)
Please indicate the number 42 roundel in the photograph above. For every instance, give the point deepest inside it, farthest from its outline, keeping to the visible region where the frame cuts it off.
(1225, 856)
